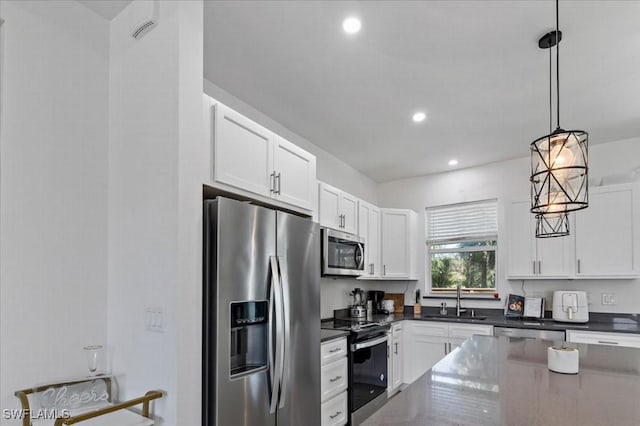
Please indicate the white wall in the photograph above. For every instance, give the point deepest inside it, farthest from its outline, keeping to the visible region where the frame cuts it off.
(509, 180)
(155, 205)
(53, 206)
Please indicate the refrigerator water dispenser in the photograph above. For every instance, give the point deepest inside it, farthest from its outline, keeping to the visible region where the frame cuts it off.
(248, 337)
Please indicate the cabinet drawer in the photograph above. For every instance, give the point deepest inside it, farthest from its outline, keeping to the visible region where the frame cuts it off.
(334, 411)
(333, 378)
(418, 328)
(466, 331)
(396, 329)
(609, 339)
(333, 350)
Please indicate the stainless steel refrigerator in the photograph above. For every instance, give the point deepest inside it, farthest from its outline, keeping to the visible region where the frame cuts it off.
(261, 330)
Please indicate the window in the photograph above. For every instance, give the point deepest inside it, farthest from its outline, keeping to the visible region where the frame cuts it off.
(462, 241)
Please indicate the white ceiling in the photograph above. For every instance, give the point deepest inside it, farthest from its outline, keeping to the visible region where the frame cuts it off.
(473, 66)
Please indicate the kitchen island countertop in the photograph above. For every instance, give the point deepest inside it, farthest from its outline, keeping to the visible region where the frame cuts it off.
(505, 381)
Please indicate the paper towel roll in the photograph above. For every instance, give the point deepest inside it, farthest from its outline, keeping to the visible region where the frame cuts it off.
(562, 360)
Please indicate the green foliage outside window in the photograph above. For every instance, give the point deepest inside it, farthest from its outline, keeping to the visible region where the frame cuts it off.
(472, 265)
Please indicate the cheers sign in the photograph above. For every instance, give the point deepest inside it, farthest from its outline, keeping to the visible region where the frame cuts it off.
(75, 396)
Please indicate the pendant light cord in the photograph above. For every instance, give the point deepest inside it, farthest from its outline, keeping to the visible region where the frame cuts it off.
(550, 95)
(558, 63)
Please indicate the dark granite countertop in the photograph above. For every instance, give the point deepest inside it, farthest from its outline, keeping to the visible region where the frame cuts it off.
(603, 322)
(503, 381)
(326, 335)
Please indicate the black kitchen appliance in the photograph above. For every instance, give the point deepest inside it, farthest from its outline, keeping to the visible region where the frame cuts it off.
(367, 365)
(376, 298)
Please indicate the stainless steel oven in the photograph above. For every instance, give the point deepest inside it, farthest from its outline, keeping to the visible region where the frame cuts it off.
(342, 253)
(367, 376)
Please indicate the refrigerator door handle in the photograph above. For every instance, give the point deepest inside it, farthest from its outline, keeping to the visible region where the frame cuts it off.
(286, 350)
(276, 365)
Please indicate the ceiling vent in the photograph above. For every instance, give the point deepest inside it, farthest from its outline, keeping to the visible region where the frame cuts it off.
(143, 28)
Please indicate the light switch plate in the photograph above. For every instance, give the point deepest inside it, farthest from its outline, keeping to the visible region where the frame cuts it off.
(154, 319)
(608, 298)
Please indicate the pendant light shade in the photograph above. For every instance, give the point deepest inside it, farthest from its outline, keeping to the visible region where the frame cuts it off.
(559, 162)
(559, 172)
(552, 225)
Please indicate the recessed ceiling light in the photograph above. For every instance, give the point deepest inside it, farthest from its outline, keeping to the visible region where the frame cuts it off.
(453, 162)
(419, 116)
(351, 25)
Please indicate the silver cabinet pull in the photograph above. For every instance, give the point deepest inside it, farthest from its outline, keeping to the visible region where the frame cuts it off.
(279, 187)
(372, 269)
(445, 348)
(335, 379)
(449, 347)
(604, 342)
(272, 182)
(534, 267)
(334, 350)
(578, 265)
(335, 415)
(540, 267)
(384, 269)
(396, 349)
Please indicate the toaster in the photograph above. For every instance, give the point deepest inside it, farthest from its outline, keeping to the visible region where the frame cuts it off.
(570, 306)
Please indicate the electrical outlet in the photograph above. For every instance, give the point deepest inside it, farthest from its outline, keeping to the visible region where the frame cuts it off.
(608, 298)
(154, 319)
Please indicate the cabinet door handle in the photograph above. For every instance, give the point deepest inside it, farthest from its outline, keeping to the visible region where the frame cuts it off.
(449, 347)
(534, 267)
(279, 187)
(605, 342)
(334, 350)
(396, 349)
(335, 415)
(272, 182)
(384, 270)
(445, 348)
(335, 379)
(540, 267)
(578, 265)
(344, 221)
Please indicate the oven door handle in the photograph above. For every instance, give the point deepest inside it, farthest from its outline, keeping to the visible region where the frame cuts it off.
(368, 343)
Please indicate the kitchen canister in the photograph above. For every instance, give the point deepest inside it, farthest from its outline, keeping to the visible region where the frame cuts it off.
(562, 360)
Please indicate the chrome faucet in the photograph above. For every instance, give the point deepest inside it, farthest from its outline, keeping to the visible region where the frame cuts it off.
(459, 309)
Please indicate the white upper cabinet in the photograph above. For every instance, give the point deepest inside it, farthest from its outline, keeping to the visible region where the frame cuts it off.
(243, 152)
(253, 159)
(337, 209)
(607, 233)
(369, 229)
(295, 174)
(531, 257)
(604, 240)
(349, 205)
(398, 250)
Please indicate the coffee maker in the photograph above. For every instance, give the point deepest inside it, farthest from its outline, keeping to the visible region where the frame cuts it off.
(376, 298)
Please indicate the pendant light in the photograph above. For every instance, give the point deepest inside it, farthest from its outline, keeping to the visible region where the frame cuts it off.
(552, 225)
(558, 163)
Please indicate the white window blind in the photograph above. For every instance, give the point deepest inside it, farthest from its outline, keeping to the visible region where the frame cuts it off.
(474, 220)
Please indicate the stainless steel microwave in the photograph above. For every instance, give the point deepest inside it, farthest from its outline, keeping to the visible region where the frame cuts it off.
(342, 253)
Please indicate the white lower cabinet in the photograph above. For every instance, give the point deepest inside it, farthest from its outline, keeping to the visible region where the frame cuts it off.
(602, 338)
(334, 379)
(395, 370)
(334, 411)
(426, 343)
